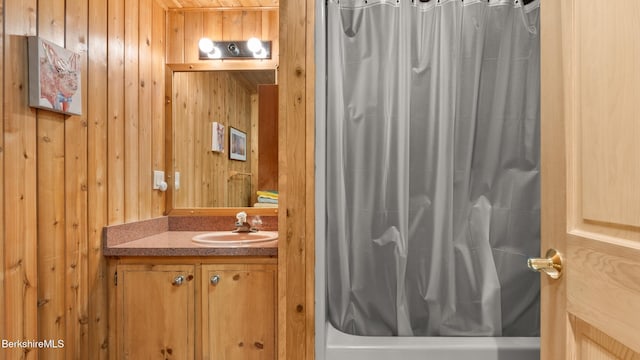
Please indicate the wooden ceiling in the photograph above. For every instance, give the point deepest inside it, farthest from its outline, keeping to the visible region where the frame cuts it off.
(252, 78)
(191, 4)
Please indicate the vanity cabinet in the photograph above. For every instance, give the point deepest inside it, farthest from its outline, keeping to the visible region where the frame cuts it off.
(239, 312)
(194, 308)
(155, 311)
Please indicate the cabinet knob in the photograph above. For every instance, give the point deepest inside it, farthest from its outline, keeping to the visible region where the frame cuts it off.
(215, 279)
(178, 280)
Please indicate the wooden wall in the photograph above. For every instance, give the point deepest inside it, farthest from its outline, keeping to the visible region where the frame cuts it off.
(296, 215)
(186, 27)
(219, 3)
(63, 178)
(205, 180)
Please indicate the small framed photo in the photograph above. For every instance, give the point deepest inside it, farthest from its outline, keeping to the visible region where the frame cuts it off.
(54, 77)
(237, 144)
(217, 137)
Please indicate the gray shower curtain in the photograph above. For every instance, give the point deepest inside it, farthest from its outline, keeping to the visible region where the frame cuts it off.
(433, 167)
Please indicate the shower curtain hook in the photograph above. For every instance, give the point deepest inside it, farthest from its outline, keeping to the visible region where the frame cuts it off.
(530, 28)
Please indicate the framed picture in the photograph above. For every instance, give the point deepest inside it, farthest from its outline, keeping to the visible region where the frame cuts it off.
(54, 77)
(237, 144)
(217, 137)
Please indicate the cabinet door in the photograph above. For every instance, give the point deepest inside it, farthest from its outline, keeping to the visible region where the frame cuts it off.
(239, 309)
(155, 312)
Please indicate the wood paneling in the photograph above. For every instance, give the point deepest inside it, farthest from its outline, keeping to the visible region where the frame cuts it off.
(131, 108)
(238, 102)
(309, 194)
(3, 321)
(271, 31)
(97, 212)
(65, 177)
(175, 37)
(105, 153)
(51, 211)
(212, 24)
(185, 28)
(254, 148)
(603, 288)
(115, 110)
(158, 103)
(296, 201)
(610, 128)
(145, 96)
(193, 30)
(75, 194)
(596, 345)
(232, 25)
(20, 183)
(179, 4)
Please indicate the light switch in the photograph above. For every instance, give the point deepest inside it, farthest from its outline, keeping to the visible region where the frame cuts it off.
(158, 181)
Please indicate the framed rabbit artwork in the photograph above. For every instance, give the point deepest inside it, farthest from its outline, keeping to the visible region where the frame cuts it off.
(54, 77)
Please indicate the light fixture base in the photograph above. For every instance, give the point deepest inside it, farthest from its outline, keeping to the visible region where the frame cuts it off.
(236, 50)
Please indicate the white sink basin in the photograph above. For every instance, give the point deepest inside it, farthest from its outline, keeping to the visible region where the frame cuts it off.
(229, 238)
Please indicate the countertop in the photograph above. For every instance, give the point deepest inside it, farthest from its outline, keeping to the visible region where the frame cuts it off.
(154, 238)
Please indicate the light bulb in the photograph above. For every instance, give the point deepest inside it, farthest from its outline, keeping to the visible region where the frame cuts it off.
(254, 44)
(215, 53)
(260, 54)
(205, 45)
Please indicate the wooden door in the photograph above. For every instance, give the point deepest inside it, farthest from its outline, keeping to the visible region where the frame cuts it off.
(239, 310)
(590, 139)
(268, 137)
(155, 311)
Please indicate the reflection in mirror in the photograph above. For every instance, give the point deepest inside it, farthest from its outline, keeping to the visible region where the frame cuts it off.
(224, 126)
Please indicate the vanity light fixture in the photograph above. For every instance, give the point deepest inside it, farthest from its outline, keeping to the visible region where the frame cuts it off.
(257, 48)
(207, 47)
(253, 48)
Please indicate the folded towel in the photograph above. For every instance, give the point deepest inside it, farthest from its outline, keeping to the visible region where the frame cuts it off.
(265, 205)
(262, 199)
(268, 194)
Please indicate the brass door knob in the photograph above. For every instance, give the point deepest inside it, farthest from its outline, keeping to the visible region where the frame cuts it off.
(551, 264)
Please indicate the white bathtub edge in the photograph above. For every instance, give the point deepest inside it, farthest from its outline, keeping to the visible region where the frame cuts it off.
(342, 346)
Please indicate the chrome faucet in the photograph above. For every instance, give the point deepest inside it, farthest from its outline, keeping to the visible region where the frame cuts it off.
(242, 226)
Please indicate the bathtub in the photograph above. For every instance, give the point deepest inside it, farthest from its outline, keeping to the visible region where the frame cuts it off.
(341, 346)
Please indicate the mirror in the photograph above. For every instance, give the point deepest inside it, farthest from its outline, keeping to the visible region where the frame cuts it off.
(224, 143)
